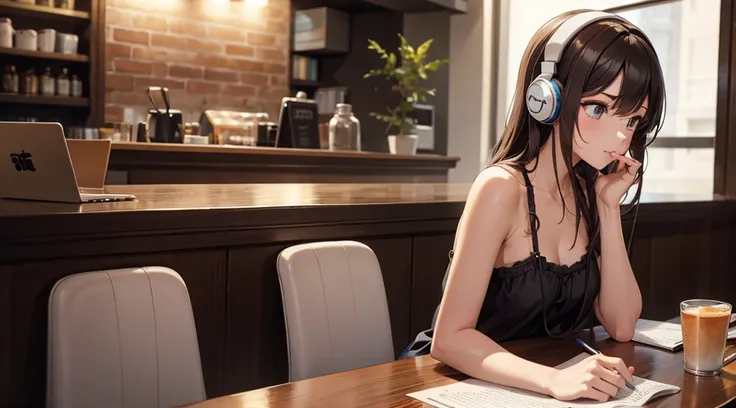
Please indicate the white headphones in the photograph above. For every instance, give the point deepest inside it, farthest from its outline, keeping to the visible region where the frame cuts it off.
(544, 94)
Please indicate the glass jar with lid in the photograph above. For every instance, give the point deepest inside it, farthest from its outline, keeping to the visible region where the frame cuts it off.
(344, 129)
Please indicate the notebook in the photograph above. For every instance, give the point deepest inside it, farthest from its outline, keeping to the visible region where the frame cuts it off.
(665, 335)
(474, 393)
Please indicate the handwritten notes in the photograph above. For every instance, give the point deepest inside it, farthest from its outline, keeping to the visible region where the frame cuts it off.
(474, 393)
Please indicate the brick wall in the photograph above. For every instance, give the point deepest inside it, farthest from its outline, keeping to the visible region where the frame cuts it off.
(211, 54)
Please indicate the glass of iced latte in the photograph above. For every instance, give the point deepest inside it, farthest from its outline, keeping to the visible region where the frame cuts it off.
(704, 332)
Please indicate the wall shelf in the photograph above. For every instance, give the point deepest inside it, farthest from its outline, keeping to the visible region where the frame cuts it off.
(404, 6)
(304, 83)
(87, 22)
(44, 100)
(55, 56)
(32, 10)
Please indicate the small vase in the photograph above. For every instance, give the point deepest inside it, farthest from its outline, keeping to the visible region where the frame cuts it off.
(403, 144)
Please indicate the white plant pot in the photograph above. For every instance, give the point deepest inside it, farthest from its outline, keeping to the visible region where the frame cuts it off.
(404, 144)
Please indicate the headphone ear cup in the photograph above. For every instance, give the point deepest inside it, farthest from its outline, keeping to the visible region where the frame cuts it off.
(557, 92)
(543, 97)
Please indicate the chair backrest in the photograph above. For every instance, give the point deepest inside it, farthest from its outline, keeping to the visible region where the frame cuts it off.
(121, 339)
(335, 308)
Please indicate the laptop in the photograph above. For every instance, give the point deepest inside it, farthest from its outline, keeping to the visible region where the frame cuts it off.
(35, 164)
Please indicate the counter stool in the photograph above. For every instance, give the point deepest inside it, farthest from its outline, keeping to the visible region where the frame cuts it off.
(122, 338)
(335, 308)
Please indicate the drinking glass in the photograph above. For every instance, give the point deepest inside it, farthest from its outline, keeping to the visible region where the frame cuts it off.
(704, 333)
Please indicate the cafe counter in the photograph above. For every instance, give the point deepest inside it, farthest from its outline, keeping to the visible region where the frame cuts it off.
(165, 163)
(224, 240)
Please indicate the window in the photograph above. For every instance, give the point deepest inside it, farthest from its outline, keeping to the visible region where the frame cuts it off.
(685, 36)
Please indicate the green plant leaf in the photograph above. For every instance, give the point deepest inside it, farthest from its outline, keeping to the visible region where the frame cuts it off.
(391, 61)
(373, 72)
(434, 65)
(405, 69)
(423, 49)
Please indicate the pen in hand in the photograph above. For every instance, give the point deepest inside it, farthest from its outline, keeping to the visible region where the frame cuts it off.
(591, 350)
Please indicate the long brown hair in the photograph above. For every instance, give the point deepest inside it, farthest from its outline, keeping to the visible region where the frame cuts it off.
(590, 63)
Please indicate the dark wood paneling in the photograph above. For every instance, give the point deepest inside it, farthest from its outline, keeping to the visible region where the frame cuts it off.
(6, 332)
(428, 270)
(395, 257)
(256, 337)
(31, 283)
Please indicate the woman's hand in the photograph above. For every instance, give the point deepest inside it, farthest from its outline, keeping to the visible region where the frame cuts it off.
(591, 378)
(611, 187)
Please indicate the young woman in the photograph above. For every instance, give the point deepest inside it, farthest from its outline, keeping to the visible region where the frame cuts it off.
(539, 248)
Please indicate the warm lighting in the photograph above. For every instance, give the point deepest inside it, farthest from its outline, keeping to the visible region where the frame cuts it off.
(256, 3)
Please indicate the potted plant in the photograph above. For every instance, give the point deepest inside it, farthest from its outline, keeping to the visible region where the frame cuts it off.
(407, 75)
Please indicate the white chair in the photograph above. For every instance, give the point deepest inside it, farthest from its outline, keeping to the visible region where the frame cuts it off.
(121, 339)
(335, 308)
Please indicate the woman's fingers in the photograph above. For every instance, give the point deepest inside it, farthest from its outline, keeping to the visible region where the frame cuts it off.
(594, 394)
(626, 163)
(610, 377)
(604, 387)
(616, 364)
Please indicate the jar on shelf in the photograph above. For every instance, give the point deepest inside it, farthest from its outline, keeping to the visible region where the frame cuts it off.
(10, 80)
(29, 83)
(62, 83)
(66, 4)
(45, 3)
(6, 33)
(76, 86)
(344, 129)
(47, 83)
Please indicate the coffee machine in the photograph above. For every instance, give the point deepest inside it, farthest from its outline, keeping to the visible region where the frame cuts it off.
(163, 125)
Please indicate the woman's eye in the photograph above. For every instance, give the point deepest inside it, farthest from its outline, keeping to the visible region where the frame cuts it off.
(631, 124)
(595, 110)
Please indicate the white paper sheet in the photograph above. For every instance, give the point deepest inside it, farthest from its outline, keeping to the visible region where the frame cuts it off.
(474, 393)
(658, 334)
(662, 334)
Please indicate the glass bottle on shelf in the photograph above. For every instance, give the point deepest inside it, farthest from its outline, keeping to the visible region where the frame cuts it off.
(76, 87)
(344, 129)
(249, 128)
(62, 83)
(47, 83)
(30, 83)
(14, 80)
(7, 80)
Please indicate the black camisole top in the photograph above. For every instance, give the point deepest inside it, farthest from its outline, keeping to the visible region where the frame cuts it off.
(532, 297)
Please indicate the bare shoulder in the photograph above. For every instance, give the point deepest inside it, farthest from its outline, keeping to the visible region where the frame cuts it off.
(498, 185)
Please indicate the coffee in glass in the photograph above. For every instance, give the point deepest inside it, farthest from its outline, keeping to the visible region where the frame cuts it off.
(704, 332)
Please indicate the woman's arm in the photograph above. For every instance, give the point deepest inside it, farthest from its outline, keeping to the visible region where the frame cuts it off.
(618, 305)
(487, 219)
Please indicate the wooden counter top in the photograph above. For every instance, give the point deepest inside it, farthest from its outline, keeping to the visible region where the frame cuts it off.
(232, 206)
(163, 163)
(448, 161)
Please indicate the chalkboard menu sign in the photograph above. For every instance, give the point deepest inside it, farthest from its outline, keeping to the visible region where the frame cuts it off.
(298, 123)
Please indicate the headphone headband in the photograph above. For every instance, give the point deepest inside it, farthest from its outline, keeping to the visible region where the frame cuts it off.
(565, 33)
(544, 94)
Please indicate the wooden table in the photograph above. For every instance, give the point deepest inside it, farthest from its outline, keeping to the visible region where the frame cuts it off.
(386, 385)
